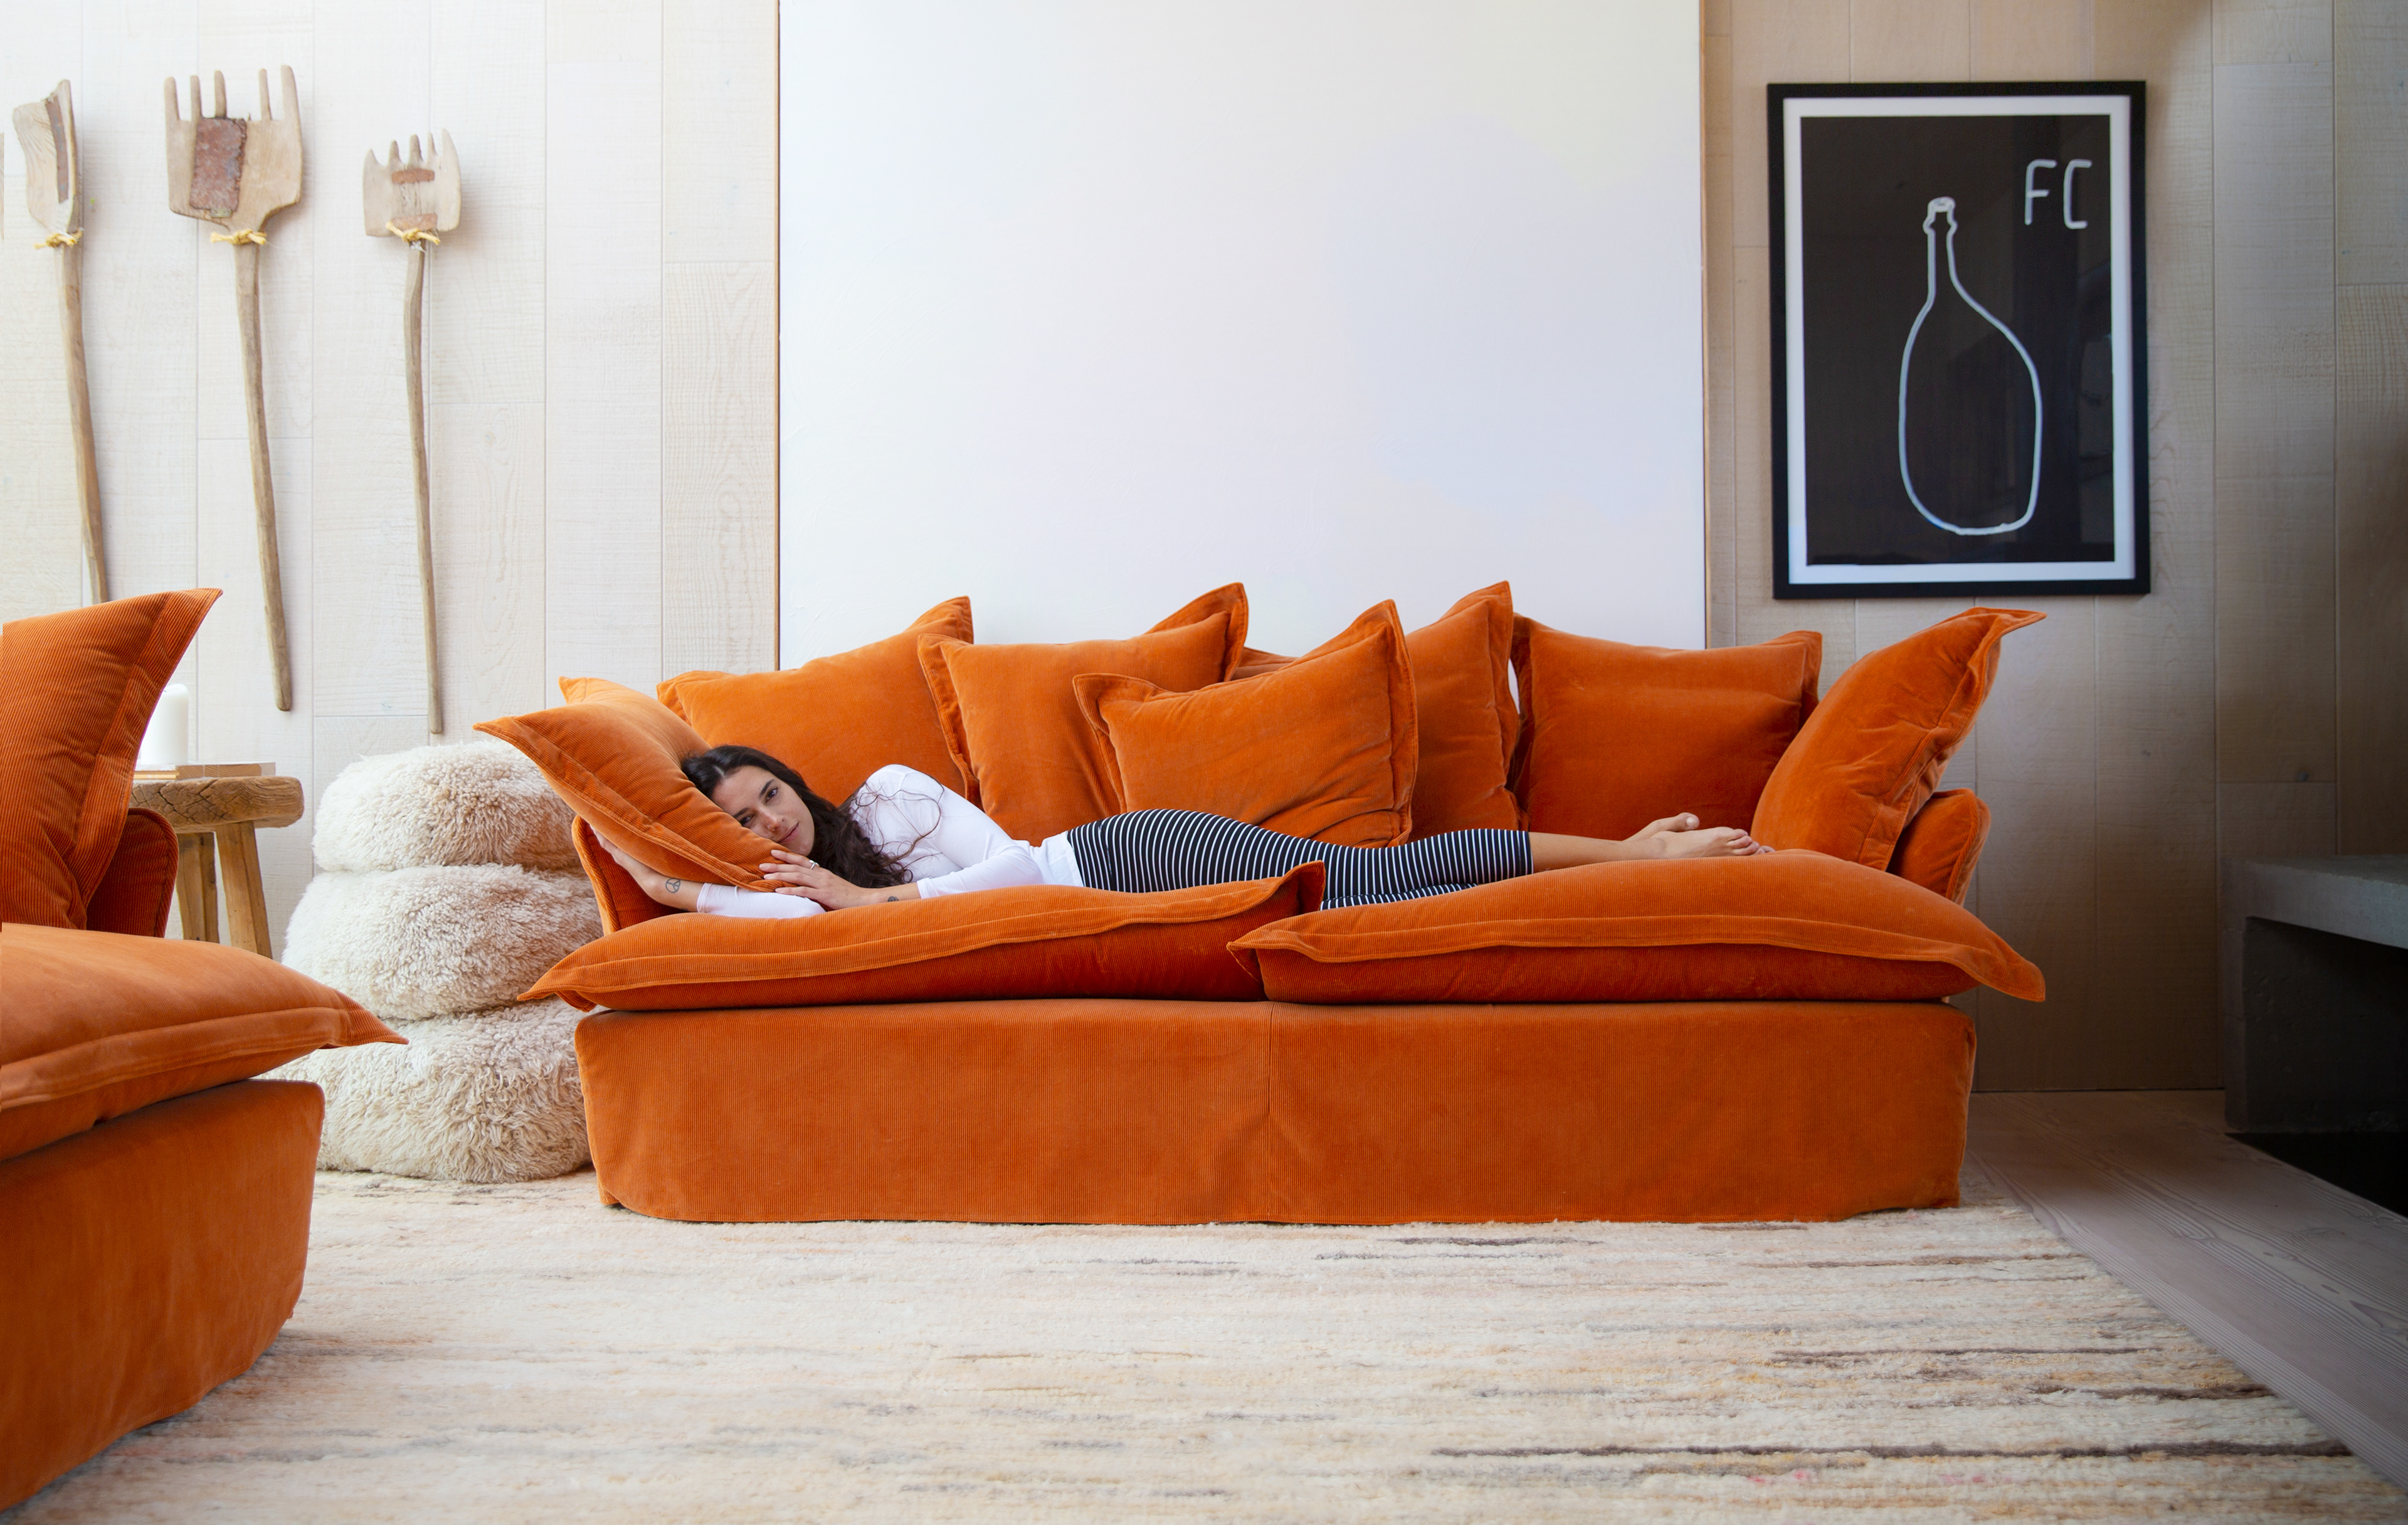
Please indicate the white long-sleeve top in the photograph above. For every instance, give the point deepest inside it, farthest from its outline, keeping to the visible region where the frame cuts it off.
(948, 845)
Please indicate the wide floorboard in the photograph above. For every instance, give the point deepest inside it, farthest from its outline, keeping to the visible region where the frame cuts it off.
(2301, 1284)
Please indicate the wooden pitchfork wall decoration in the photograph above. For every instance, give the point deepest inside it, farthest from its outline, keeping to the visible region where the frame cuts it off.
(54, 196)
(414, 202)
(238, 174)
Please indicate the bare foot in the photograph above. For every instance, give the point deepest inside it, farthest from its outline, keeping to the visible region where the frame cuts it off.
(1684, 822)
(1714, 842)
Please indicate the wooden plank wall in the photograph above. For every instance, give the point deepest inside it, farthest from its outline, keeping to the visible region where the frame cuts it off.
(602, 361)
(2254, 702)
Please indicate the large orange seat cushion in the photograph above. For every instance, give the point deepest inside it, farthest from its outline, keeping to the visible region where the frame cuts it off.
(76, 694)
(838, 719)
(1029, 941)
(99, 1023)
(1782, 927)
(1615, 736)
(1026, 755)
(1874, 749)
(1100, 1111)
(1325, 747)
(143, 1262)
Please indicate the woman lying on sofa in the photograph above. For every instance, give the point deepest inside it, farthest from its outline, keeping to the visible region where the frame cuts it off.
(907, 837)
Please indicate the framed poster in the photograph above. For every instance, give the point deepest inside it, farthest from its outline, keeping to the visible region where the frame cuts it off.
(1958, 338)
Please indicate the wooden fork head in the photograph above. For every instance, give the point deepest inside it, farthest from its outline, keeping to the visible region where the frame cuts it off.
(53, 187)
(420, 195)
(226, 170)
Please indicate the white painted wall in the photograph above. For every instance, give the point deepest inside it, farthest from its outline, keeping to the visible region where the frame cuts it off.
(1087, 306)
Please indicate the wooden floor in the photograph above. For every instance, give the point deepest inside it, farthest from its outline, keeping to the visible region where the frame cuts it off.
(2301, 1284)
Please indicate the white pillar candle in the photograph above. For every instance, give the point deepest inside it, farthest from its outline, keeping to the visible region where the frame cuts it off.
(164, 742)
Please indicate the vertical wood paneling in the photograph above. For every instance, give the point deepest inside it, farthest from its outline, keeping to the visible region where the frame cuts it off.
(485, 365)
(2155, 979)
(1909, 40)
(1773, 40)
(37, 576)
(2275, 576)
(364, 538)
(2371, 459)
(142, 300)
(719, 67)
(2032, 40)
(602, 340)
(2370, 142)
(718, 488)
(1722, 370)
(2037, 762)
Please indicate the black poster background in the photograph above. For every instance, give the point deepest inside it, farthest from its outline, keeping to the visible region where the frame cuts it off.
(1867, 185)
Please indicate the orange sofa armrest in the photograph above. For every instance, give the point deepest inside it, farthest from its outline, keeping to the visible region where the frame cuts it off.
(1940, 844)
(140, 882)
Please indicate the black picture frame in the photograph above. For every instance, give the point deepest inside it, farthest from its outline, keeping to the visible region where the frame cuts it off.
(1950, 419)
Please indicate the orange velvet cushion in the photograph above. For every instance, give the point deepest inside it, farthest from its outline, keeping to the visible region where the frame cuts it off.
(1463, 697)
(1035, 940)
(835, 720)
(101, 1023)
(1322, 747)
(76, 692)
(612, 753)
(1782, 927)
(1026, 755)
(1874, 750)
(1942, 843)
(1616, 735)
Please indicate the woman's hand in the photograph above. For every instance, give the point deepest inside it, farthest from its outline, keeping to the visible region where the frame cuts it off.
(794, 874)
(657, 887)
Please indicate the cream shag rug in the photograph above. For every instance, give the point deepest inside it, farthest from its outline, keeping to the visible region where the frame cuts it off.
(522, 1353)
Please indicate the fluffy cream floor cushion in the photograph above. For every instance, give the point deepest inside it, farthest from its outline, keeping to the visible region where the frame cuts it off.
(410, 921)
(491, 1096)
(477, 802)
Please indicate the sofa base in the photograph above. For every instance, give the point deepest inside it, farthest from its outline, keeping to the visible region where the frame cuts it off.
(144, 1261)
(1095, 1111)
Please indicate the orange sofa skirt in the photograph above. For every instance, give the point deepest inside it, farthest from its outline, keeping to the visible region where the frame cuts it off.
(144, 1261)
(1088, 1111)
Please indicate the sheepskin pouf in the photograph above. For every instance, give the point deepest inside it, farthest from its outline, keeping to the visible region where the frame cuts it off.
(448, 886)
(491, 1096)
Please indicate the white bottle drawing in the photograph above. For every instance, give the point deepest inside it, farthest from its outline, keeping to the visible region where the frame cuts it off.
(1946, 207)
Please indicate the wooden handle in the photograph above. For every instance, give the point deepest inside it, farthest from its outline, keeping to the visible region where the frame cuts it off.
(413, 305)
(263, 488)
(79, 413)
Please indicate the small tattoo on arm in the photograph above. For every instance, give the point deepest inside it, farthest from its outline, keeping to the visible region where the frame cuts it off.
(893, 899)
(675, 887)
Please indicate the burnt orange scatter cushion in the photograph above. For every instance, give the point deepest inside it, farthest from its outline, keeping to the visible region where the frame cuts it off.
(1940, 846)
(1463, 697)
(1031, 941)
(1025, 755)
(1873, 751)
(1615, 736)
(1778, 927)
(1323, 747)
(838, 719)
(622, 901)
(76, 692)
(102, 1023)
(612, 753)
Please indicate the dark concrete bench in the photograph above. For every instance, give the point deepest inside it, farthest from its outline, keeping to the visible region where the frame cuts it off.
(2315, 988)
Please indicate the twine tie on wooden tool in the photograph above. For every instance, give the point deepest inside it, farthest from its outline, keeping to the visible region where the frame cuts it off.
(411, 236)
(248, 236)
(62, 240)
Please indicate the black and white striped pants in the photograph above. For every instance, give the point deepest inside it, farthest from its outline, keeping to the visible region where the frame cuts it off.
(1180, 849)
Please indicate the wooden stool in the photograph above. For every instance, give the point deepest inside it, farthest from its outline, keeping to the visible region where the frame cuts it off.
(217, 809)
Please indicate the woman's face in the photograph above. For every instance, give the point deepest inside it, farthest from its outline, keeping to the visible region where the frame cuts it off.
(762, 805)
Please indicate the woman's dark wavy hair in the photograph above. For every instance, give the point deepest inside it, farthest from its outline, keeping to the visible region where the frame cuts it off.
(838, 845)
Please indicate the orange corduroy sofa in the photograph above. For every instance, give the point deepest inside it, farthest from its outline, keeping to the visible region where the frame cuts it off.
(1719, 1040)
(154, 1201)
